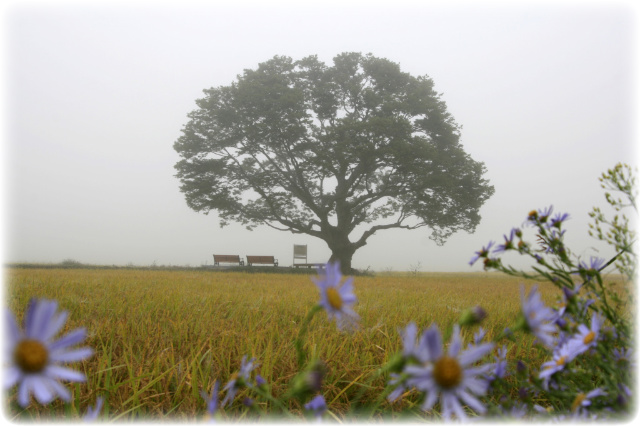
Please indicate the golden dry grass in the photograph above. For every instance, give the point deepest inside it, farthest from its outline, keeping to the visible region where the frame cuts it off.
(161, 336)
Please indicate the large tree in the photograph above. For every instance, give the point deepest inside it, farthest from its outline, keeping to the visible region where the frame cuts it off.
(322, 150)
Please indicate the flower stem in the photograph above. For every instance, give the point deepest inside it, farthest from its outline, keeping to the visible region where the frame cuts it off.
(303, 330)
(275, 401)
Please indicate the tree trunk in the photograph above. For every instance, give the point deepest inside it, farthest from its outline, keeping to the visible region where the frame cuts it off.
(343, 254)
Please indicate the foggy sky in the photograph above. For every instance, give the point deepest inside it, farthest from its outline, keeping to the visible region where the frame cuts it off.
(95, 97)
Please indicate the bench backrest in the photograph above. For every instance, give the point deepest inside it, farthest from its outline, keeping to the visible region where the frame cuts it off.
(261, 259)
(226, 258)
(299, 252)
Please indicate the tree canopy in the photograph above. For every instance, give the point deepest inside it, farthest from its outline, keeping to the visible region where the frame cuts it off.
(309, 148)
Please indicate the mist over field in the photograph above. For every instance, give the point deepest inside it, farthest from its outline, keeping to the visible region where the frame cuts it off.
(96, 95)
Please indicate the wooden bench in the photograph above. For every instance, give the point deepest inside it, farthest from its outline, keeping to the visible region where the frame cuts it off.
(262, 260)
(309, 265)
(227, 258)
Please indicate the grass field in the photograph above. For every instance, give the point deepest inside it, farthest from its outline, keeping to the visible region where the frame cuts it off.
(161, 336)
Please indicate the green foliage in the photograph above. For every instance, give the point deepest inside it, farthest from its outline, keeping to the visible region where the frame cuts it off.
(616, 232)
(308, 148)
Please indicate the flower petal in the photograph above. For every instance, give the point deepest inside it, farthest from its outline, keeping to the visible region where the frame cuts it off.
(396, 393)
(450, 403)
(60, 390)
(12, 376)
(476, 385)
(55, 325)
(42, 314)
(432, 341)
(73, 338)
(473, 354)
(70, 356)
(41, 391)
(28, 315)
(347, 286)
(23, 391)
(472, 402)
(63, 373)
(456, 342)
(430, 400)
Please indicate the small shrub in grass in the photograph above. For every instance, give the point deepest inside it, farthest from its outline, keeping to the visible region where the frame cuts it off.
(70, 263)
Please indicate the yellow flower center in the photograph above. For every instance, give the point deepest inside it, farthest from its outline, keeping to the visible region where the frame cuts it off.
(31, 356)
(447, 372)
(578, 401)
(589, 337)
(334, 298)
(561, 360)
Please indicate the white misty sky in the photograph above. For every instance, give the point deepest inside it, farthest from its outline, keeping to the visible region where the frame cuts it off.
(95, 96)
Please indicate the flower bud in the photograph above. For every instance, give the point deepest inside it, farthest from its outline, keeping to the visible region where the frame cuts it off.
(472, 316)
(308, 381)
(491, 263)
(569, 294)
(523, 394)
(261, 383)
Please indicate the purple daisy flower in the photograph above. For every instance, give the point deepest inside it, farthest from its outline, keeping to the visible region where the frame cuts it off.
(92, 413)
(625, 356)
(479, 336)
(624, 395)
(317, 405)
(482, 253)
(35, 358)
(558, 219)
(592, 269)
(588, 337)
(569, 293)
(544, 214)
(584, 400)
(500, 370)
(238, 380)
(508, 242)
(539, 216)
(211, 400)
(540, 319)
(451, 376)
(561, 357)
(337, 299)
(260, 380)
